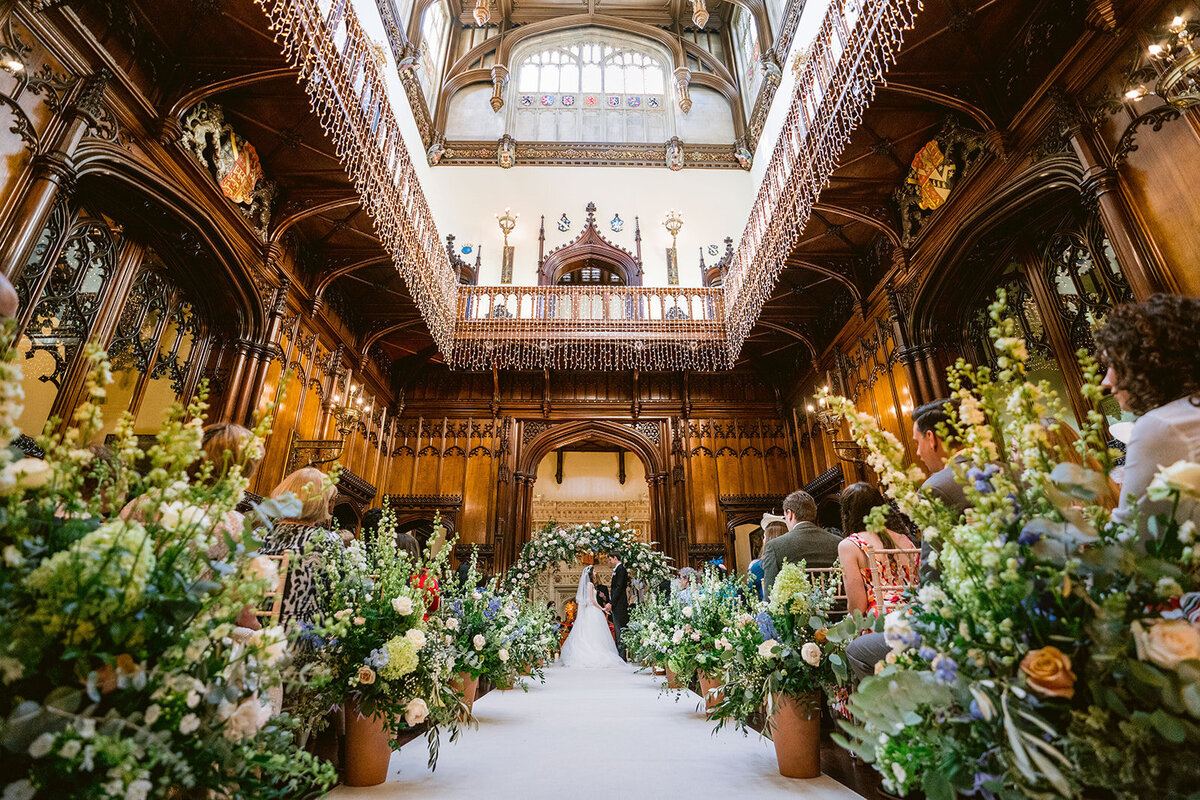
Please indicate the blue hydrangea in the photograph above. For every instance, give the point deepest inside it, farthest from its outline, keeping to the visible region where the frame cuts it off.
(493, 607)
(766, 626)
(378, 659)
(945, 669)
(927, 653)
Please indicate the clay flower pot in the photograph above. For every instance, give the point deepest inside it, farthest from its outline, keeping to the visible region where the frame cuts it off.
(796, 731)
(709, 683)
(368, 747)
(673, 680)
(467, 686)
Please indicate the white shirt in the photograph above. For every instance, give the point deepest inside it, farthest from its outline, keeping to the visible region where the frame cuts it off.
(1163, 436)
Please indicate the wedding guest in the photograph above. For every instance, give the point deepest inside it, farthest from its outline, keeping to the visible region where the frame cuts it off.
(305, 536)
(805, 540)
(894, 570)
(936, 448)
(773, 527)
(407, 543)
(370, 525)
(1154, 371)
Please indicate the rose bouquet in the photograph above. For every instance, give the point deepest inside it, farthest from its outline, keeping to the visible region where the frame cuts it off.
(378, 647)
(123, 673)
(701, 617)
(779, 649)
(1058, 654)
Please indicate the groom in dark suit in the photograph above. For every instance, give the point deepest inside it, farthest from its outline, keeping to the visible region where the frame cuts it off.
(618, 606)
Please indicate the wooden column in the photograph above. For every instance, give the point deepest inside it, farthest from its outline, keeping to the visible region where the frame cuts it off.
(52, 173)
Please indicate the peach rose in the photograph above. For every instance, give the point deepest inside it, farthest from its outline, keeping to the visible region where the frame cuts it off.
(366, 676)
(1166, 642)
(821, 635)
(1048, 672)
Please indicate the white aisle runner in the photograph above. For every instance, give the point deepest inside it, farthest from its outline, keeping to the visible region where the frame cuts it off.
(594, 735)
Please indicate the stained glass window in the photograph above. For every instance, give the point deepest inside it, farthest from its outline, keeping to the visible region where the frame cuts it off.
(592, 90)
(435, 27)
(746, 53)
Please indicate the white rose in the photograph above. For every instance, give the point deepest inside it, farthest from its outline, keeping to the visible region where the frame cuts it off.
(13, 557)
(402, 605)
(189, 724)
(811, 653)
(42, 745)
(687, 611)
(417, 637)
(19, 790)
(138, 790)
(452, 624)
(178, 514)
(677, 637)
(479, 641)
(24, 473)
(247, 720)
(766, 648)
(502, 655)
(898, 632)
(415, 711)
(1182, 476)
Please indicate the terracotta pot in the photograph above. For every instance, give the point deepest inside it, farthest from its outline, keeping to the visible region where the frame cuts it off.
(657, 670)
(467, 686)
(796, 730)
(707, 684)
(673, 681)
(368, 748)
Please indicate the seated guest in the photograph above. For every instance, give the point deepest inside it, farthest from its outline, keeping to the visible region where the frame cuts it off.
(370, 525)
(305, 535)
(829, 516)
(1154, 371)
(805, 540)
(936, 451)
(773, 527)
(894, 570)
(407, 543)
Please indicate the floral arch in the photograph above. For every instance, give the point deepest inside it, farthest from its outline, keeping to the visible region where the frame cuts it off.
(552, 545)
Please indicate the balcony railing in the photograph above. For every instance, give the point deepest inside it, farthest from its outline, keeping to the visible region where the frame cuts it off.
(618, 327)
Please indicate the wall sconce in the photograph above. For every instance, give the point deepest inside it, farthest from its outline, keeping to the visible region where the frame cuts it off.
(507, 221)
(347, 415)
(673, 222)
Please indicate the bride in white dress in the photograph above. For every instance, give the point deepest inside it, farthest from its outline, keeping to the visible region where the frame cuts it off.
(590, 644)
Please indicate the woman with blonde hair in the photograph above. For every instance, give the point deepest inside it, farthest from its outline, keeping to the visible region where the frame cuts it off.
(305, 535)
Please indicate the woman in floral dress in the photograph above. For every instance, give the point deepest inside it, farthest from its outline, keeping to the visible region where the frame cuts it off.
(895, 569)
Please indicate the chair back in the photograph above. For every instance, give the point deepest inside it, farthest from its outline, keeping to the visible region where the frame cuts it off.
(270, 615)
(884, 588)
(824, 576)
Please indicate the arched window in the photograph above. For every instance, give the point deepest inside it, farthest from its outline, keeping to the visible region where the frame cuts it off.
(746, 53)
(435, 30)
(592, 86)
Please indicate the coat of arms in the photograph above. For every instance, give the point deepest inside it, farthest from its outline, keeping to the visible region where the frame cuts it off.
(933, 175)
(238, 169)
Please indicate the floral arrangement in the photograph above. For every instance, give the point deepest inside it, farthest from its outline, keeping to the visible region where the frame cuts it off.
(702, 616)
(379, 646)
(123, 673)
(553, 545)
(779, 647)
(647, 637)
(1059, 654)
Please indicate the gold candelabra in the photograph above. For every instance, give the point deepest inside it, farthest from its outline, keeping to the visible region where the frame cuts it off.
(507, 221)
(673, 222)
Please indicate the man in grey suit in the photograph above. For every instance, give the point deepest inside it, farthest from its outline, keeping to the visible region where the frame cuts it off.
(937, 453)
(805, 540)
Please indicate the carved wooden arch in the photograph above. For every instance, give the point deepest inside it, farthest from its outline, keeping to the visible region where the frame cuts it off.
(105, 162)
(793, 333)
(590, 244)
(346, 269)
(287, 222)
(762, 22)
(196, 95)
(828, 272)
(375, 336)
(865, 219)
(940, 98)
(613, 433)
(1041, 185)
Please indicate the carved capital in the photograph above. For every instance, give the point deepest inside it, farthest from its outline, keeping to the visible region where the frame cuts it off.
(55, 167)
(1098, 181)
(1104, 15)
(90, 101)
(314, 305)
(170, 131)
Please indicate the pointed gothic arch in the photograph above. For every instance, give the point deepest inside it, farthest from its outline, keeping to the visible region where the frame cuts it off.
(590, 248)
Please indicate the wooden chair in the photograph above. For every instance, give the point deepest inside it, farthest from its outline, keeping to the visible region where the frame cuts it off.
(822, 577)
(270, 616)
(882, 589)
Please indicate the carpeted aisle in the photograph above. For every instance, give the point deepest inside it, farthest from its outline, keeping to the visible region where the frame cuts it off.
(594, 735)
